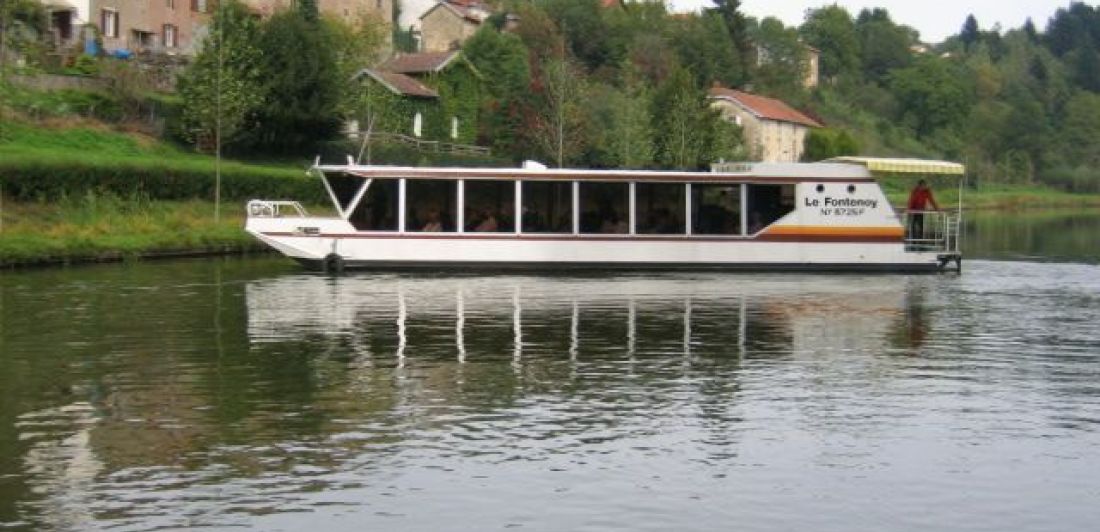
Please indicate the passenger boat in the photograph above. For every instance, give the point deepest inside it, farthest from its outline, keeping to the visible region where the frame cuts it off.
(760, 216)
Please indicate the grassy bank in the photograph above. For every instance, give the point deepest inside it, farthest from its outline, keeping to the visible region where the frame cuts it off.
(994, 196)
(97, 228)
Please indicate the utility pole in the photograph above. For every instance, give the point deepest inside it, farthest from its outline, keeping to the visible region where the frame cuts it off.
(220, 17)
(3, 102)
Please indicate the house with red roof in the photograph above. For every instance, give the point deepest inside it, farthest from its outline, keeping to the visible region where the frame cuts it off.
(772, 130)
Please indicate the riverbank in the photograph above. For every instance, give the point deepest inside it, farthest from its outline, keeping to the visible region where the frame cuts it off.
(96, 228)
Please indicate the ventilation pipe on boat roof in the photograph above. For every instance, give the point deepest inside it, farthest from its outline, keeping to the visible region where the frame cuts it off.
(533, 165)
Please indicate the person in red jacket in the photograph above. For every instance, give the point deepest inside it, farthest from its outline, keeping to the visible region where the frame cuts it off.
(919, 199)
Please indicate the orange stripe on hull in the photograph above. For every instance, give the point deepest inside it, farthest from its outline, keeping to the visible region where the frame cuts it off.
(832, 231)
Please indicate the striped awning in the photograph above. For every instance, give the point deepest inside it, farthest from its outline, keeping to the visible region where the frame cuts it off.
(904, 166)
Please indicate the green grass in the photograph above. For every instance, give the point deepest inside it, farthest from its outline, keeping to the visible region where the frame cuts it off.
(992, 196)
(96, 227)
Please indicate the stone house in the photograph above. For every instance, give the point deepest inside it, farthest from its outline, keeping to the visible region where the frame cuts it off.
(429, 95)
(448, 24)
(773, 131)
(179, 26)
(165, 26)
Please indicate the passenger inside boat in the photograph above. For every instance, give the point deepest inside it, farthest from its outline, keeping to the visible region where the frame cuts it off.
(605, 208)
(547, 207)
(489, 206)
(716, 209)
(431, 205)
(377, 211)
(659, 208)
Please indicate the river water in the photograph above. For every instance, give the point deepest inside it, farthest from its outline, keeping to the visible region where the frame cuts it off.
(247, 393)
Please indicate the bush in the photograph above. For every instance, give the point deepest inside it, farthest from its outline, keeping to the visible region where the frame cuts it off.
(31, 177)
(1072, 179)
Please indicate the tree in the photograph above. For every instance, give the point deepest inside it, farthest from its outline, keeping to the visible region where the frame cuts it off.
(933, 94)
(970, 33)
(1030, 32)
(354, 47)
(689, 133)
(585, 30)
(222, 85)
(884, 45)
(831, 30)
(630, 133)
(736, 25)
(559, 122)
(501, 58)
(301, 87)
(782, 62)
(705, 50)
(822, 144)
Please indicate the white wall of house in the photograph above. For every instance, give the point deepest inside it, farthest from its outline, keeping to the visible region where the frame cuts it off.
(765, 140)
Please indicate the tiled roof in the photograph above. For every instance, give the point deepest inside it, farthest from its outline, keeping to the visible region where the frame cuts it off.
(400, 83)
(764, 107)
(421, 63)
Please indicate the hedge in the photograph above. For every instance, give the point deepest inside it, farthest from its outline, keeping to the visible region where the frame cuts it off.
(34, 177)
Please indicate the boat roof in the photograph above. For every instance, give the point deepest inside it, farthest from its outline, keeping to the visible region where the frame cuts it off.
(888, 165)
(768, 172)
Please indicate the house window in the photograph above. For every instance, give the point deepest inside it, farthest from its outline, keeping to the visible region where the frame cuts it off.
(454, 127)
(109, 22)
(198, 6)
(170, 36)
(170, 3)
(418, 124)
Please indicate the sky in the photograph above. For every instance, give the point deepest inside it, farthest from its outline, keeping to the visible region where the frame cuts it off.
(934, 19)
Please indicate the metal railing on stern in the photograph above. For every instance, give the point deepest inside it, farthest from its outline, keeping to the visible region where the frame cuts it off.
(932, 231)
(276, 209)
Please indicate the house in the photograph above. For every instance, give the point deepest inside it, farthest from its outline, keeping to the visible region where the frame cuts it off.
(350, 11)
(773, 131)
(166, 26)
(178, 26)
(447, 24)
(429, 95)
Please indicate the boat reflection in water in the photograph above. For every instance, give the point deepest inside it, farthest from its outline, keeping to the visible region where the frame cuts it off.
(391, 319)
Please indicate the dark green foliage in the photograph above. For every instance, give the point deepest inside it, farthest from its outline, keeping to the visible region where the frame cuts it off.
(308, 10)
(824, 144)
(44, 179)
(502, 58)
(300, 85)
(586, 33)
(970, 32)
(831, 30)
(735, 23)
(933, 94)
(884, 45)
(704, 49)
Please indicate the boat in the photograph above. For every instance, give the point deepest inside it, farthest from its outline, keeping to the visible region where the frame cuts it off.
(826, 216)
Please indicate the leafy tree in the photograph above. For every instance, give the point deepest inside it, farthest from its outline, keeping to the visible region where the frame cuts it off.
(630, 133)
(559, 122)
(501, 58)
(690, 134)
(1081, 129)
(970, 32)
(301, 85)
(704, 49)
(933, 94)
(736, 25)
(831, 30)
(782, 62)
(308, 9)
(227, 65)
(884, 45)
(354, 47)
(1069, 29)
(822, 144)
(1030, 32)
(586, 32)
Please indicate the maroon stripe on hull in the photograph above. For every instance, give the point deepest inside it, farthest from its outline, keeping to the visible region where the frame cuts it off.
(572, 238)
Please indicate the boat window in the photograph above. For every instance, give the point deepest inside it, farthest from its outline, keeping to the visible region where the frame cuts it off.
(430, 205)
(490, 206)
(768, 203)
(377, 211)
(547, 207)
(715, 209)
(605, 208)
(344, 187)
(659, 208)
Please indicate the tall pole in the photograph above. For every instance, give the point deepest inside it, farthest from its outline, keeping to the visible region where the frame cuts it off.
(3, 102)
(220, 17)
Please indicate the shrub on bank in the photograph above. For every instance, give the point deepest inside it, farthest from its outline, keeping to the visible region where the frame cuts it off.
(33, 177)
